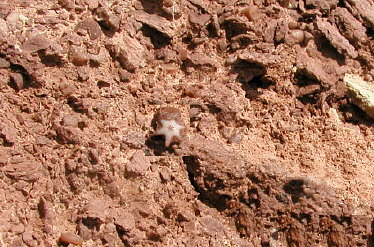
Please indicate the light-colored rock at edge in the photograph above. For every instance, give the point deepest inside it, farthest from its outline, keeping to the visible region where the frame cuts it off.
(361, 93)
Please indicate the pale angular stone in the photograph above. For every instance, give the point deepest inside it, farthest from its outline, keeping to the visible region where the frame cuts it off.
(361, 93)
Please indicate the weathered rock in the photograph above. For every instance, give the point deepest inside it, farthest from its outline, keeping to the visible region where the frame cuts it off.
(3, 157)
(124, 75)
(269, 31)
(94, 156)
(156, 22)
(92, 4)
(201, 60)
(125, 220)
(66, 4)
(69, 135)
(349, 26)
(3, 28)
(253, 13)
(16, 81)
(133, 140)
(364, 8)
(109, 235)
(315, 69)
(341, 44)
(336, 236)
(211, 225)
(4, 64)
(91, 26)
(294, 37)
(185, 216)
(78, 104)
(262, 59)
(211, 166)
(36, 43)
(235, 25)
(97, 208)
(108, 20)
(235, 138)
(295, 236)
(281, 31)
(67, 89)
(78, 56)
(361, 93)
(130, 53)
(70, 120)
(138, 164)
(200, 19)
(46, 210)
(165, 174)
(48, 20)
(53, 55)
(309, 89)
(9, 134)
(133, 54)
(23, 171)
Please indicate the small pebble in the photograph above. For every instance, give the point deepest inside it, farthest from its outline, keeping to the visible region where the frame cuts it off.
(252, 13)
(71, 238)
(235, 138)
(17, 81)
(298, 35)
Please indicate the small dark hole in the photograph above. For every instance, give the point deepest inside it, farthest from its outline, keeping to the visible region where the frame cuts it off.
(102, 84)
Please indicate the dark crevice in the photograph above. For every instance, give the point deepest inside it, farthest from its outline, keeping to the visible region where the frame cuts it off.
(355, 115)
(370, 32)
(341, 4)
(158, 39)
(211, 30)
(27, 79)
(101, 84)
(156, 143)
(328, 51)
(309, 89)
(121, 232)
(295, 189)
(211, 196)
(252, 78)
(191, 163)
(92, 223)
(310, 99)
(234, 28)
(50, 60)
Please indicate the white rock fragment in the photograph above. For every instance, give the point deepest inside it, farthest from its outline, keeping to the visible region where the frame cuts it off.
(170, 129)
(360, 92)
(16, 21)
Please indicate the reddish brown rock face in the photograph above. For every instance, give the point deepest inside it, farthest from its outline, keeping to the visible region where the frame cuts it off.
(185, 123)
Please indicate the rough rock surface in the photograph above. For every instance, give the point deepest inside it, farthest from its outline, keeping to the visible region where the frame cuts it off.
(364, 9)
(349, 26)
(156, 22)
(276, 150)
(336, 39)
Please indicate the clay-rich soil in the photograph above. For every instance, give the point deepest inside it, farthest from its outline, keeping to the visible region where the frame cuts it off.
(274, 152)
